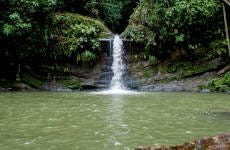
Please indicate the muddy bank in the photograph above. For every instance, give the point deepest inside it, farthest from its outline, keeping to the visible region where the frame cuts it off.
(220, 142)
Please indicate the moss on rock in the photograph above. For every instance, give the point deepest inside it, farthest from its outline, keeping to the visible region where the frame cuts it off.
(72, 84)
(31, 80)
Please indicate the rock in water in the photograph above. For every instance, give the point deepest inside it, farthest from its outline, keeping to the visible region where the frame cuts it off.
(21, 87)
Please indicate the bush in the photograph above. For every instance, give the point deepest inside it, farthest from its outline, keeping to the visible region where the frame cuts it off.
(220, 84)
(76, 37)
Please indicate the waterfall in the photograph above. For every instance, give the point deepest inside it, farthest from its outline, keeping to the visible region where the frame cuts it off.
(115, 70)
(118, 66)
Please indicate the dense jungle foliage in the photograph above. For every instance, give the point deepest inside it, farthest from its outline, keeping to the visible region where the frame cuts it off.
(24, 32)
(166, 26)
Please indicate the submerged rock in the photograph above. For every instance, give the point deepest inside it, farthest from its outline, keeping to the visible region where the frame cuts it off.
(63, 90)
(205, 91)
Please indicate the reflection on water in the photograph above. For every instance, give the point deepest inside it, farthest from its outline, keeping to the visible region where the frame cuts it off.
(115, 119)
(109, 121)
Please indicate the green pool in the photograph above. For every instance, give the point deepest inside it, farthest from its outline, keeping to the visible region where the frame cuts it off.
(92, 121)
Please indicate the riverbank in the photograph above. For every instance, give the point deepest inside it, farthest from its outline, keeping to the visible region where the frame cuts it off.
(220, 142)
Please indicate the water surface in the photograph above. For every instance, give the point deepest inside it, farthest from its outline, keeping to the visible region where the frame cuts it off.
(82, 120)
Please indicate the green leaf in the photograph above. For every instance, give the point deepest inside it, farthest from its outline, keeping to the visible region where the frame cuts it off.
(180, 38)
(8, 29)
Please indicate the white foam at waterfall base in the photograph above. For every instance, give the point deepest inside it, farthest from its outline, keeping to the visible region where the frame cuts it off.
(117, 91)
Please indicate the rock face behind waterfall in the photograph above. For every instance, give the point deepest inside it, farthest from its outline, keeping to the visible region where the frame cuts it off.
(106, 75)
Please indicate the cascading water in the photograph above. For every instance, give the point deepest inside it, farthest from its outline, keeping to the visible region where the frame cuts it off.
(118, 67)
(118, 70)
